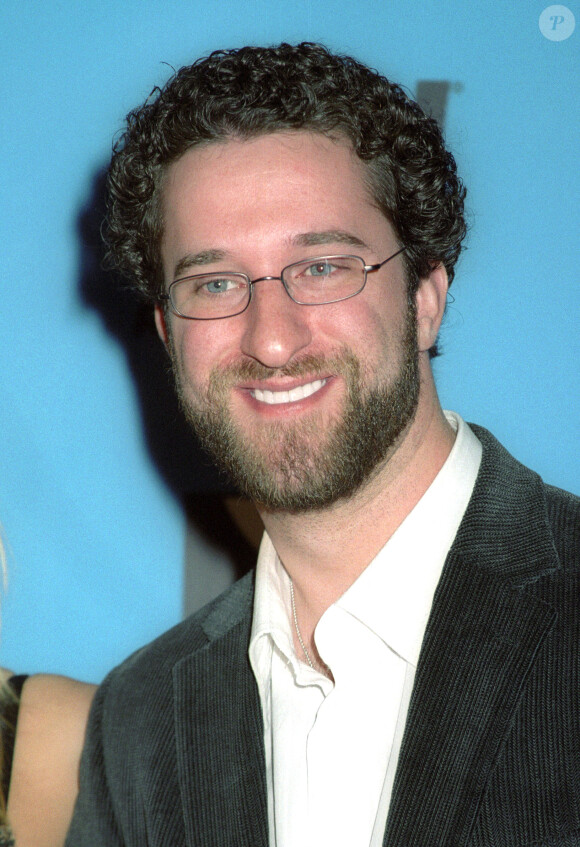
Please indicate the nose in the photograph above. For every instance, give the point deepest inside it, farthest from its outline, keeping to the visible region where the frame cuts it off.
(276, 327)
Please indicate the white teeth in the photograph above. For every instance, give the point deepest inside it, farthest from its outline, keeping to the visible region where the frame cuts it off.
(273, 398)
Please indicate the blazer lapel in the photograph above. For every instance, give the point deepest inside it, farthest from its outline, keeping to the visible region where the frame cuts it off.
(220, 749)
(484, 632)
(473, 665)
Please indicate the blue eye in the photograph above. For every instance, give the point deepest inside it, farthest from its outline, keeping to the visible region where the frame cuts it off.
(219, 286)
(320, 269)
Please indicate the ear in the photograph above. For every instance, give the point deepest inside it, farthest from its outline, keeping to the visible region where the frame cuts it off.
(430, 300)
(161, 324)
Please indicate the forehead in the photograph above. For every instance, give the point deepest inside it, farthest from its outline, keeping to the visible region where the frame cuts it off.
(304, 150)
(285, 166)
(257, 197)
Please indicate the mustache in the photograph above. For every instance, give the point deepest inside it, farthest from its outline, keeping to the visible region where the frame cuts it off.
(305, 366)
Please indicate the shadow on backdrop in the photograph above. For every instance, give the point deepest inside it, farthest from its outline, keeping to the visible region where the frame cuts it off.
(174, 449)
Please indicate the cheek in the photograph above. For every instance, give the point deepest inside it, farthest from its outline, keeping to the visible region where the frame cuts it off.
(185, 356)
(371, 330)
(197, 348)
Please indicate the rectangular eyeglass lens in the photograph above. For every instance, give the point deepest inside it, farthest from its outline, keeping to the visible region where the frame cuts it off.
(329, 278)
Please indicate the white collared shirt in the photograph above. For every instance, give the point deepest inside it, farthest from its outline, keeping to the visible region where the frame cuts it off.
(332, 746)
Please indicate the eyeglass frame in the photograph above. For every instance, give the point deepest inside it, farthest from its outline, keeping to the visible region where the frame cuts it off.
(251, 282)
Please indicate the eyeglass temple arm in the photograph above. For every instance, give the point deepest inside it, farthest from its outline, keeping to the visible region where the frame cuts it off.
(369, 268)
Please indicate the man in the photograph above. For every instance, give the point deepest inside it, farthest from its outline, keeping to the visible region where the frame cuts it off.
(402, 668)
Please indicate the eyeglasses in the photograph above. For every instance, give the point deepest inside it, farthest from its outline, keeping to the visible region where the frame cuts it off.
(311, 282)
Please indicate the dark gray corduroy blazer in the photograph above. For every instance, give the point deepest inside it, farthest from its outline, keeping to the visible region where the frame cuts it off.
(491, 752)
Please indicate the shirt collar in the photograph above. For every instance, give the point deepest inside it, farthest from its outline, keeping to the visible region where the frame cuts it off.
(394, 594)
(271, 617)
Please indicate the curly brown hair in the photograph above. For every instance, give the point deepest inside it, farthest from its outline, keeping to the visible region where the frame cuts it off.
(256, 90)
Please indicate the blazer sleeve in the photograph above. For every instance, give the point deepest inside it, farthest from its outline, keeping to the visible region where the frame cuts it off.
(94, 823)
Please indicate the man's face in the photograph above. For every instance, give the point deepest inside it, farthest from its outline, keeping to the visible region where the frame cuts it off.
(300, 404)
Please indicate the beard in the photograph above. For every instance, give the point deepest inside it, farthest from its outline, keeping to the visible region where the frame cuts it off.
(309, 464)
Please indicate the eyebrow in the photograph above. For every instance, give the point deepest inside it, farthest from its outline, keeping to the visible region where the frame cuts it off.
(329, 236)
(304, 239)
(195, 260)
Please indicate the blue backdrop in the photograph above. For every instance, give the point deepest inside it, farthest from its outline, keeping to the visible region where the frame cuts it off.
(89, 509)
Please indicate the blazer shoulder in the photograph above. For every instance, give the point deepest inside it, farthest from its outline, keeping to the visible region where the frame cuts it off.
(152, 665)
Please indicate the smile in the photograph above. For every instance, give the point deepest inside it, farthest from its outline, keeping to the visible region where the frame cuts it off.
(274, 398)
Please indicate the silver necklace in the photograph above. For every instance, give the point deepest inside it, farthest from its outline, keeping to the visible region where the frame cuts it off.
(295, 616)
